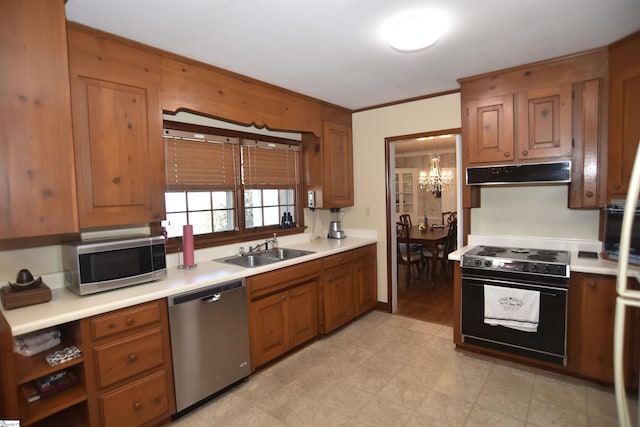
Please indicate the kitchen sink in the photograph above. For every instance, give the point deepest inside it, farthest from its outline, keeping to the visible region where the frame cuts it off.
(264, 258)
(284, 253)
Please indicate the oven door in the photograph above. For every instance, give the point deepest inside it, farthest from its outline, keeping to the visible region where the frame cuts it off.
(548, 343)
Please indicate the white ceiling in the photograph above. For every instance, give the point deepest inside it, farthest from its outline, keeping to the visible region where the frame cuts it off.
(332, 49)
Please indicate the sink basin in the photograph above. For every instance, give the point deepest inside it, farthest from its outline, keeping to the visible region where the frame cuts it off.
(265, 258)
(250, 260)
(284, 253)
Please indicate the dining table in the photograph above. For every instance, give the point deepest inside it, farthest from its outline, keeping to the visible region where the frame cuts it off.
(430, 237)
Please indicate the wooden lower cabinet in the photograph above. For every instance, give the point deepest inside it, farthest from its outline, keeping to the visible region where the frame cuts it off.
(129, 371)
(291, 306)
(283, 310)
(338, 291)
(67, 407)
(365, 279)
(591, 313)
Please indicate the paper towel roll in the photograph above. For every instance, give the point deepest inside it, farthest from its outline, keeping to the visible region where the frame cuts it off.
(187, 245)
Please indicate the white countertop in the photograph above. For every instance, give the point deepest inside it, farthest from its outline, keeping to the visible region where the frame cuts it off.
(65, 306)
(581, 265)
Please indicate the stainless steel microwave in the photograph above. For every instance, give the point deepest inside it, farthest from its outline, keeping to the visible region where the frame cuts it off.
(98, 265)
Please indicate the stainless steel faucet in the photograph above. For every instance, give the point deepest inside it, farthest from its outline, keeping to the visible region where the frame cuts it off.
(274, 244)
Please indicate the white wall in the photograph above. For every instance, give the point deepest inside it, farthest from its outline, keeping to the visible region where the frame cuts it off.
(532, 211)
(370, 128)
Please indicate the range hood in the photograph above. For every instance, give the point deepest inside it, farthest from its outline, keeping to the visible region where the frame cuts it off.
(527, 173)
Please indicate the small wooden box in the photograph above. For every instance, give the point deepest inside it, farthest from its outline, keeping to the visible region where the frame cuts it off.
(12, 298)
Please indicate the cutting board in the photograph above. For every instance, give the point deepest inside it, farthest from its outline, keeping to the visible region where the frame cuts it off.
(12, 298)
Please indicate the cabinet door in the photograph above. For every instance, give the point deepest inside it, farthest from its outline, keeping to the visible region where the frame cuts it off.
(365, 284)
(338, 165)
(624, 111)
(37, 177)
(118, 132)
(587, 188)
(406, 193)
(490, 131)
(303, 312)
(338, 297)
(269, 331)
(544, 123)
(592, 300)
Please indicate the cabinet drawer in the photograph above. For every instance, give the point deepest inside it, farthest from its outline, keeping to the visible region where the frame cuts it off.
(364, 251)
(127, 357)
(277, 280)
(338, 259)
(125, 320)
(137, 403)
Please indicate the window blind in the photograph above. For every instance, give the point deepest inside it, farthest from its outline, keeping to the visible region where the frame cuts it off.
(270, 165)
(200, 161)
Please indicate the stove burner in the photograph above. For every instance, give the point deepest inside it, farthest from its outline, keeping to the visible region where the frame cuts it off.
(542, 257)
(492, 249)
(487, 253)
(545, 252)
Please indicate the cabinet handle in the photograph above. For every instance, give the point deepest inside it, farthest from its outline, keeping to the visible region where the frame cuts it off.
(133, 357)
(156, 215)
(137, 405)
(592, 284)
(525, 153)
(290, 294)
(130, 321)
(157, 401)
(616, 186)
(589, 193)
(507, 154)
(116, 180)
(284, 297)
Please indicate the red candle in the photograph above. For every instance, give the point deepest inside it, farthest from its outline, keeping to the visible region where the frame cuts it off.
(187, 245)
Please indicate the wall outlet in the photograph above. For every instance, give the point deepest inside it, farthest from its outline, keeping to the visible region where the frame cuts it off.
(311, 199)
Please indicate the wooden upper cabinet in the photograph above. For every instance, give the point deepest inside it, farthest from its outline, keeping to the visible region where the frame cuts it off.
(490, 129)
(624, 113)
(544, 123)
(328, 165)
(117, 122)
(37, 175)
(588, 186)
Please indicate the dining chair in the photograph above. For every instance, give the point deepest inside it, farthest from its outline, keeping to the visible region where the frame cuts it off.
(448, 218)
(406, 220)
(407, 254)
(444, 250)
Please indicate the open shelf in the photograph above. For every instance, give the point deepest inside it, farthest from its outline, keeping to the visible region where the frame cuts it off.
(47, 406)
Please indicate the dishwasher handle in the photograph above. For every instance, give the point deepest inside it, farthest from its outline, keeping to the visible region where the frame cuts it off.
(206, 295)
(212, 298)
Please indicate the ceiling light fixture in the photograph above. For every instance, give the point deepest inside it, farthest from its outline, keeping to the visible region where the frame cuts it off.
(415, 31)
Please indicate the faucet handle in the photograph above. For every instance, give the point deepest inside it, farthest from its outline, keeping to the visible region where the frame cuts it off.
(241, 251)
(275, 241)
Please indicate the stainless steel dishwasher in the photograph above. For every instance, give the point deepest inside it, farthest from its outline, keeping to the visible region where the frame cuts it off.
(209, 341)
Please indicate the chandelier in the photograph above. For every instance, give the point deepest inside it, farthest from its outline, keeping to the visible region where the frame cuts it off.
(436, 179)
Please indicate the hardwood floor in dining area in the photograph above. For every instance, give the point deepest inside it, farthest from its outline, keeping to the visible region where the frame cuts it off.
(422, 301)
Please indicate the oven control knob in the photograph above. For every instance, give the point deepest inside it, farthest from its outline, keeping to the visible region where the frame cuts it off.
(547, 269)
(477, 262)
(535, 268)
(487, 263)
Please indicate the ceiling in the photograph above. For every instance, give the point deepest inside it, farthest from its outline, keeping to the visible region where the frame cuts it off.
(333, 50)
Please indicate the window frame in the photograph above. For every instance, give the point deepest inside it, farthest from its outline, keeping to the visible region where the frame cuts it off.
(241, 233)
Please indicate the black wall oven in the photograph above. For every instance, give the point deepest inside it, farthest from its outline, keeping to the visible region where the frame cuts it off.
(543, 274)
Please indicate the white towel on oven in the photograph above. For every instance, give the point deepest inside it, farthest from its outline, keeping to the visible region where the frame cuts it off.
(511, 307)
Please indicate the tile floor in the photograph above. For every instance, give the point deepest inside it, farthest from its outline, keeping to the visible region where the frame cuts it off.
(389, 370)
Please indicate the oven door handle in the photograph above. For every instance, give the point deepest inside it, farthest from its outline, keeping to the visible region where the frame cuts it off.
(467, 282)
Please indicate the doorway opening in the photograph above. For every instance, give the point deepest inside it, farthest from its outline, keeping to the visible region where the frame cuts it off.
(428, 296)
